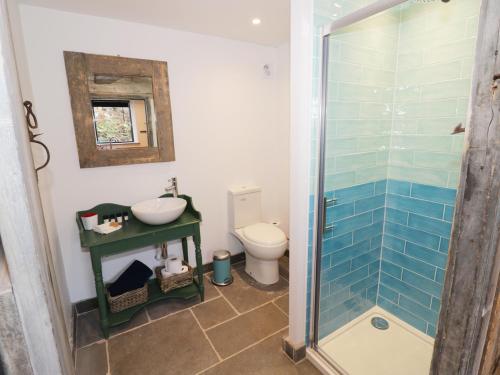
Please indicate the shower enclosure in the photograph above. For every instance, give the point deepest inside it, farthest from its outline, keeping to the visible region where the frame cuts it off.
(394, 83)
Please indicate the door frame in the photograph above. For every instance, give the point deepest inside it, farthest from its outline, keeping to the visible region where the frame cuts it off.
(22, 226)
(469, 293)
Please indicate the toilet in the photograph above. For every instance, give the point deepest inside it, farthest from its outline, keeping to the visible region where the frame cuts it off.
(264, 243)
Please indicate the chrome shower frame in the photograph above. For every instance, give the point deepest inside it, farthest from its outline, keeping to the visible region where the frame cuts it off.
(352, 18)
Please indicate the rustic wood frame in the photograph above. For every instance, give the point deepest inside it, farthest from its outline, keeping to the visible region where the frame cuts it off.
(467, 337)
(490, 361)
(78, 67)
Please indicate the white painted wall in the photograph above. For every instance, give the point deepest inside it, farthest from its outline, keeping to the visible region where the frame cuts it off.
(229, 128)
(301, 48)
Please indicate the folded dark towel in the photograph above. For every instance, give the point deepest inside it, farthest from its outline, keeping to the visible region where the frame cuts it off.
(134, 277)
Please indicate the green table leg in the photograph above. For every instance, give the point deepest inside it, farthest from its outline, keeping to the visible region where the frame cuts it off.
(101, 295)
(185, 249)
(199, 261)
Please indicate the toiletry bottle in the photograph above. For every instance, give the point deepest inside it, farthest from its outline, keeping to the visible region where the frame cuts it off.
(125, 217)
(105, 219)
(119, 218)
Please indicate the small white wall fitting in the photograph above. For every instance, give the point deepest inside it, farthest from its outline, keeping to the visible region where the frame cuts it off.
(267, 71)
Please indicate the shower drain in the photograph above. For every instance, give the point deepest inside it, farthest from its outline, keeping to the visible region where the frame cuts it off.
(380, 323)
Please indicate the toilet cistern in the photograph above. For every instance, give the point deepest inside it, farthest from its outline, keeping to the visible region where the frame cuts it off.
(264, 243)
(172, 187)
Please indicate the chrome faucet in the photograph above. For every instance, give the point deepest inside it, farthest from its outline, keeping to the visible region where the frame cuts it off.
(173, 186)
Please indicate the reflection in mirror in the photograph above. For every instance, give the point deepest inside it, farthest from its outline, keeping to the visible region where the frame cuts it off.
(123, 111)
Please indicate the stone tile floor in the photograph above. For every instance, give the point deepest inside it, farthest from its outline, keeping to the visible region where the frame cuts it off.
(236, 330)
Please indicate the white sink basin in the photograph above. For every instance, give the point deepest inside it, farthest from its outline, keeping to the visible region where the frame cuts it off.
(159, 210)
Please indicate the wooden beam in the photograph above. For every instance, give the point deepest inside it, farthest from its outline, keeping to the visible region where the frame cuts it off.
(490, 363)
(472, 271)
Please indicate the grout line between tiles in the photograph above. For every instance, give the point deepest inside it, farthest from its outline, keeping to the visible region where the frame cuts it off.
(230, 304)
(107, 358)
(184, 309)
(207, 300)
(409, 269)
(286, 279)
(208, 280)
(409, 312)
(220, 295)
(243, 313)
(150, 320)
(100, 341)
(288, 357)
(174, 313)
(85, 312)
(206, 336)
(408, 296)
(145, 324)
(279, 308)
(242, 350)
(414, 243)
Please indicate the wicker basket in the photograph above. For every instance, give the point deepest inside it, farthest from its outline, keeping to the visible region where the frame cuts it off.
(128, 299)
(175, 281)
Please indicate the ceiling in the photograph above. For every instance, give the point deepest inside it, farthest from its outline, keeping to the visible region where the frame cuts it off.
(225, 18)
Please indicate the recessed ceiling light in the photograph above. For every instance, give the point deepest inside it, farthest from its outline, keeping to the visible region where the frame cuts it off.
(256, 21)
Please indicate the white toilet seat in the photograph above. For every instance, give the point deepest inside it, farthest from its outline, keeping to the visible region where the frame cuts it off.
(264, 234)
(262, 251)
(254, 244)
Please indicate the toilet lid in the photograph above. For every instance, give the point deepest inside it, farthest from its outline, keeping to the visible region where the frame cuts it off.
(263, 233)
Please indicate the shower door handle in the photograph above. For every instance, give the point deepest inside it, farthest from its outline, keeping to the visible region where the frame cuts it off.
(326, 203)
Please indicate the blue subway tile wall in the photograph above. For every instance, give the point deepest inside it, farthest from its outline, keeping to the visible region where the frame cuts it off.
(391, 102)
(415, 242)
(386, 248)
(350, 263)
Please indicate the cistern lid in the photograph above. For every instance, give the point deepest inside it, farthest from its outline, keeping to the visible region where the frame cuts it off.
(243, 189)
(264, 233)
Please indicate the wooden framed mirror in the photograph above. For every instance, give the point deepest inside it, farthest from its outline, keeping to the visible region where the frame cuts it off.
(121, 109)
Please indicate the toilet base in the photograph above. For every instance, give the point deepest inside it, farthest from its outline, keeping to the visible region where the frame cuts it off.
(263, 271)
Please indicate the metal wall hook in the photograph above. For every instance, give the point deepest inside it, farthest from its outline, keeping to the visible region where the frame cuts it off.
(458, 129)
(32, 123)
(30, 115)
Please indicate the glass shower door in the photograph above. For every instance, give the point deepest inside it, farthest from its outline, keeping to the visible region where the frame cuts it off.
(358, 87)
(394, 86)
